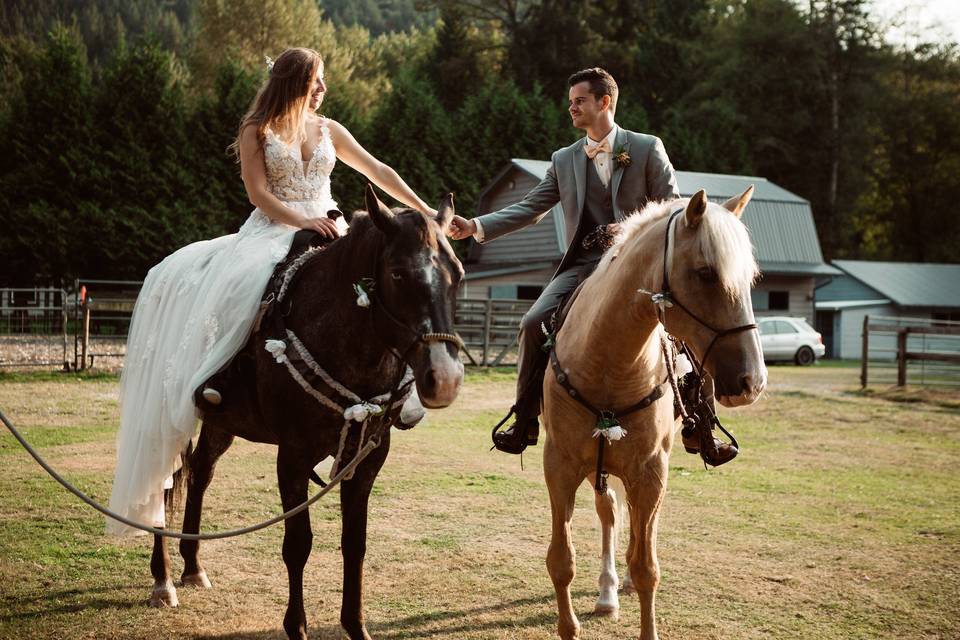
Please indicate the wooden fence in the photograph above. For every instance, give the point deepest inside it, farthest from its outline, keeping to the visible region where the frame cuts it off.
(97, 316)
(489, 328)
(920, 350)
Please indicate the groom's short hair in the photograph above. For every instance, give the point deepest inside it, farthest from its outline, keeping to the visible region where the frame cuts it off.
(601, 84)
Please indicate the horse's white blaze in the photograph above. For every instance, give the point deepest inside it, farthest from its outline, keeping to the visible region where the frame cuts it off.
(447, 373)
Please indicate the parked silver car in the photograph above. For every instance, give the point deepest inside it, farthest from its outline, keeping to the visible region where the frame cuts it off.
(785, 338)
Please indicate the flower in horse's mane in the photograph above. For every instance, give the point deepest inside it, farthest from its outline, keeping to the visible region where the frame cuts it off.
(267, 60)
(621, 157)
(277, 349)
(363, 289)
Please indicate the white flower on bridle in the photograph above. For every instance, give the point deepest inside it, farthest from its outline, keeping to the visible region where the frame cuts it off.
(269, 62)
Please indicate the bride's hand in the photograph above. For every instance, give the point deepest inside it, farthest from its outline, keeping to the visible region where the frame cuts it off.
(324, 226)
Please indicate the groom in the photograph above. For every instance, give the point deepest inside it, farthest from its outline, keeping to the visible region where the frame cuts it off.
(598, 180)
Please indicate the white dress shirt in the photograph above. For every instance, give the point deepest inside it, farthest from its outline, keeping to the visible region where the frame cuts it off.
(603, 161)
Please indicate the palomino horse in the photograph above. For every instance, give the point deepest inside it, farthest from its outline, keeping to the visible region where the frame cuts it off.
(611, 352)
(405, 259)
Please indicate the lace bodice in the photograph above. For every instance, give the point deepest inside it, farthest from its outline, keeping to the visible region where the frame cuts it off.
(289, 177)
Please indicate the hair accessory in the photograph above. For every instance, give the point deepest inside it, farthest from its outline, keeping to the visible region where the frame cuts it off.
(269, 62)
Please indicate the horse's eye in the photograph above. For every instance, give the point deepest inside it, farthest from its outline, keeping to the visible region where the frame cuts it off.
(396, 275)
(707, 274)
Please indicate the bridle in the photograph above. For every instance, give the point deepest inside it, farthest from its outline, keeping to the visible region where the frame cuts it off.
(665, 299)
(417, 337)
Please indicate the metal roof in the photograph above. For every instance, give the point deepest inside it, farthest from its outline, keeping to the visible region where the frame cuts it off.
(717, 185)
(780, 223)
(909, 284)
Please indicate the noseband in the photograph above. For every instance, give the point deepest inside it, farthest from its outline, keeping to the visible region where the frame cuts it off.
(665, 299)
(417, 337)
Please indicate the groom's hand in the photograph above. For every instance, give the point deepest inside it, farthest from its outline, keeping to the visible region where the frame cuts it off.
(461, 228)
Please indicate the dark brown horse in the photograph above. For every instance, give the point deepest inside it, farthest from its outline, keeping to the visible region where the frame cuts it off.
(414, 273)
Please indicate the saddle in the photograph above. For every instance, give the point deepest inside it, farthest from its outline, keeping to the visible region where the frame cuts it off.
(303, 241)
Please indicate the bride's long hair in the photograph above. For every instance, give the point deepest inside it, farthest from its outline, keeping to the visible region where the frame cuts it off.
(282, 101)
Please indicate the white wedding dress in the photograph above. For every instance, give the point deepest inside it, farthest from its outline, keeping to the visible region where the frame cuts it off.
(194, 313)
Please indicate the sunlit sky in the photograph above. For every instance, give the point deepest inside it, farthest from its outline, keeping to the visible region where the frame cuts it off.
(936, 19)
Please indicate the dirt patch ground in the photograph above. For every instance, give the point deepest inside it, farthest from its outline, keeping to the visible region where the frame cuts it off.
(841, 519)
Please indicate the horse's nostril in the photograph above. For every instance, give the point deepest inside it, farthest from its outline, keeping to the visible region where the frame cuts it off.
(431, 380)
(746, 383)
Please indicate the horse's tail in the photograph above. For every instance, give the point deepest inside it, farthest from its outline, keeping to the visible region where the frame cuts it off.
(172, 496)
(620, 492)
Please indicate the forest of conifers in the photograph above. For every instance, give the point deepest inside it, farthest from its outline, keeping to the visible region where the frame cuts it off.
(116, 114)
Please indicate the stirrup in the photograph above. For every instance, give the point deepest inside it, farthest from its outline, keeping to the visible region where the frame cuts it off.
(515, 443)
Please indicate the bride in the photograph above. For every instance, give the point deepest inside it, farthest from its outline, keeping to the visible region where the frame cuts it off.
(197, 307)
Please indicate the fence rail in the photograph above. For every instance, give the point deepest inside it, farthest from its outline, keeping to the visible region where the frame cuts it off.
(96, 314)
(918, 350)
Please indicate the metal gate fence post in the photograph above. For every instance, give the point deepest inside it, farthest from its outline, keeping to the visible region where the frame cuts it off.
(86, 334)
(488, 311)
(865, 351)
(902, 357)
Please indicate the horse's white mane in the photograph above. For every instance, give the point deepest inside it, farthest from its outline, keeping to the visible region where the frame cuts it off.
(724, 241)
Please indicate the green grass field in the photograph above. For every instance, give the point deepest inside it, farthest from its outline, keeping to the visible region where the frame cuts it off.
(840, 519)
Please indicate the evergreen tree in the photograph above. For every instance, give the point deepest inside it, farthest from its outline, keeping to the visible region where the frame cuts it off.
(46, 162)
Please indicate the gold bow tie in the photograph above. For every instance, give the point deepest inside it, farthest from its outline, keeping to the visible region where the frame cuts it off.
(593, 151)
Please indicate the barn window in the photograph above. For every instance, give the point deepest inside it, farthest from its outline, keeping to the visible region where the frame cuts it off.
(771, 300)
(779, 301)
(528, 292)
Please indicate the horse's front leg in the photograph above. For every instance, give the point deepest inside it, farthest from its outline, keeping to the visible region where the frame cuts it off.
(563, 478)
(293, 468)
(354, 496)
(646, 489)
(199, 467)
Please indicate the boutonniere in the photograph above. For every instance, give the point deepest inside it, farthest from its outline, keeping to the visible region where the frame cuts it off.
(621, 157)
(363, 289)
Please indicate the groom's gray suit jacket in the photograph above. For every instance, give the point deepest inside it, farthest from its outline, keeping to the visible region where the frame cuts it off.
(648, 177)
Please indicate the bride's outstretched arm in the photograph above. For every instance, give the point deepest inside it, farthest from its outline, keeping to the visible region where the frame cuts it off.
(253, 170)
(351, 153)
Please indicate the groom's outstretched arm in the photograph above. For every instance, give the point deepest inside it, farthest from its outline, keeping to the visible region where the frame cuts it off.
(528, 211)
(661, 178)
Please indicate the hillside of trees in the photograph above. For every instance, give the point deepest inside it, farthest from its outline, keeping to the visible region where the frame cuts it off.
(116, 114)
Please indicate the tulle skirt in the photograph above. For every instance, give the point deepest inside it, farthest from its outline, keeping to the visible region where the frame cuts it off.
(194, 313)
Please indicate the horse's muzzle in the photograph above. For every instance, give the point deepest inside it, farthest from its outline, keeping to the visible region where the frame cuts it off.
(439, 382)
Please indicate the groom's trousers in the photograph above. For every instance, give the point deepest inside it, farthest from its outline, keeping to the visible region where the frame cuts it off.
(532, 361)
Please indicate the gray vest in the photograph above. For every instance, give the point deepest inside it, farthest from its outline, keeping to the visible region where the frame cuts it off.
(597, 210)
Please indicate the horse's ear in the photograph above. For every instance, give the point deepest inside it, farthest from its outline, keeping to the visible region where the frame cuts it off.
(737, 204)
(696, 208)
(381, 215)
(446, 212)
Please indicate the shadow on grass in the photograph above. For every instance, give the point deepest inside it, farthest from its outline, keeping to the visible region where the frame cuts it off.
(431, 624)
(29, 608)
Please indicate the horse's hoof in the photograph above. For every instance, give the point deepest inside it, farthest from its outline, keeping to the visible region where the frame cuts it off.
(611, 611)
(164, 596)
(628, 587)
(571, 632)
(196, 580)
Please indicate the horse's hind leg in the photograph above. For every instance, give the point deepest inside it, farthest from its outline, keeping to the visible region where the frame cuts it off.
(563, 478)
(164, 593)
(646, 494)
(200, 465)
(608, 603)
